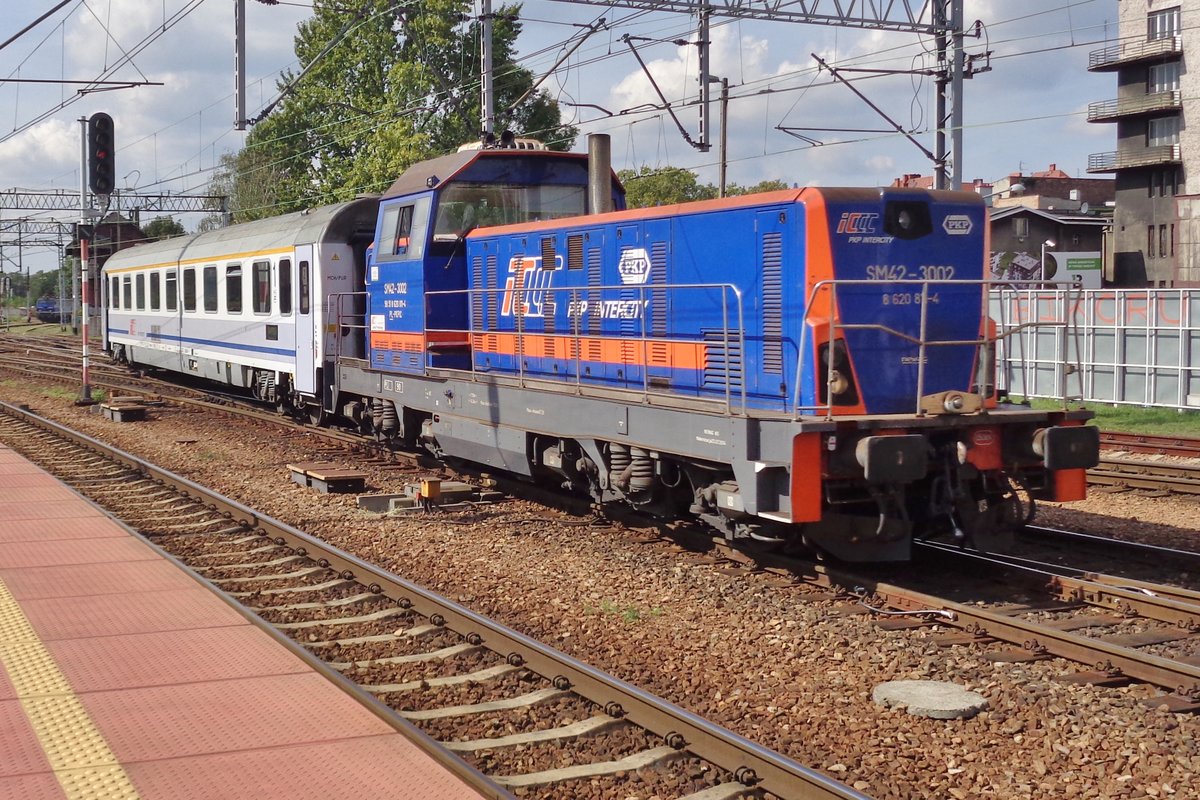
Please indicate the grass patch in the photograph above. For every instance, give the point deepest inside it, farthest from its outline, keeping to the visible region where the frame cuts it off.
(627, 613)
(1135, 419)
(98, 395)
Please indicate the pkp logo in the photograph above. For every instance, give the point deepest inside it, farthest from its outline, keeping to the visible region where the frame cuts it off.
(957, 224)
(857, 222)
(634, 266)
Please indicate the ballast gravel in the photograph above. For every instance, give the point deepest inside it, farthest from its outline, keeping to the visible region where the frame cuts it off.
(783, 666)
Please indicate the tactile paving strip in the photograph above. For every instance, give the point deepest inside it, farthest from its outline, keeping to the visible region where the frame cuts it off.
(81, 759)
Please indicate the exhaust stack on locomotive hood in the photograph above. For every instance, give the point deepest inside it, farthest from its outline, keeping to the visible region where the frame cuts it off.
(600, 188)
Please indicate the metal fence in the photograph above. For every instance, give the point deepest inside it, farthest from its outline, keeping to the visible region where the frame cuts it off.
(1126, 346)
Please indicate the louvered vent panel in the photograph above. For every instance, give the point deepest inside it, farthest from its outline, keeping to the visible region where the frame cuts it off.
(659, 354)
(722, 361)
(548, 254)
(478, 297)
(492, 294)
(772, 295)
(658, 299)
(575, 251)
(594, 278)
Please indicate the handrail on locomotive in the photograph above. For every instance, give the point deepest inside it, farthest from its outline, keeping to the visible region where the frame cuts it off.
(985, 340)
(730, 294)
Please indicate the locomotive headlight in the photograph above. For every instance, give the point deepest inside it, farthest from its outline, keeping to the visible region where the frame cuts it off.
(954, 403)
(838, 383)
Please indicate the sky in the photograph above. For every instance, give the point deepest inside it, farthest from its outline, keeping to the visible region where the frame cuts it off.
(1027, 112)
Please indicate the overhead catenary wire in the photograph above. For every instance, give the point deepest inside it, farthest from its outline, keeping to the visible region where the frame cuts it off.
(776, 88)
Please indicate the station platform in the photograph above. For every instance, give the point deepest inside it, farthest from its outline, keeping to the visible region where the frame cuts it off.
(122, 676)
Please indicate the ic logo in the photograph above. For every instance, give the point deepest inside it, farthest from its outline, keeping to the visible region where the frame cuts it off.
(957, 224)
(527, 287)
(634, 266)
(857, 222)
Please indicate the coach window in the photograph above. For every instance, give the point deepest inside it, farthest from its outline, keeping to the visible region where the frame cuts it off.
(402, 231)
(261, 300)
(155, 291)
(127, 292)
(114, 292)
(210, 288)
(189, 290)
(304, 301)
(140, 284)
(172, 296)
(285, 286)
(233, 289)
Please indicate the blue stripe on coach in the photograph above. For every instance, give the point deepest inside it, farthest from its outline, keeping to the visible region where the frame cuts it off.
(275, 351)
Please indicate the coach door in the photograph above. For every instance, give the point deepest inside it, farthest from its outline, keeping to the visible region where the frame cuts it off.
(307, 342)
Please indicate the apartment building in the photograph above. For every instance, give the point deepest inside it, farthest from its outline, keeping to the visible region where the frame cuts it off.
(1156, 224)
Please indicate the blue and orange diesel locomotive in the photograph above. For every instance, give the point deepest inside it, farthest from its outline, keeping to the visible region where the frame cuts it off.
(810, 367)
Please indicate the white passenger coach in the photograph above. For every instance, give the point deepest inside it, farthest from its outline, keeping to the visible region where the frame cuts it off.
(247, 306)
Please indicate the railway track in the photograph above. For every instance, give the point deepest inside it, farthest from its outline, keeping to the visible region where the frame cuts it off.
(1128, 473)
(1150, 444)
(1071, 597)
(432, 663)
(1104, 623)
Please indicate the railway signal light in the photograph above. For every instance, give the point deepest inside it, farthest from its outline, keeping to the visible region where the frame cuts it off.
(102, 168)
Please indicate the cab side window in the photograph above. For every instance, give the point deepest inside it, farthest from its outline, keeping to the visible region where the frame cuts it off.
(403, 229)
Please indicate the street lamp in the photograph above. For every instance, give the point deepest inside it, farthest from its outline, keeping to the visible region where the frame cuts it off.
(1042, 264)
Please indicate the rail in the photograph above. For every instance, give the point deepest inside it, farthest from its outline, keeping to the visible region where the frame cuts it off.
(754, 766)
(921, 339)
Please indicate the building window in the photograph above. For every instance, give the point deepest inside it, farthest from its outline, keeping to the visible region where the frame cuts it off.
(1149, 241)
(1172, 240)
(1162, 24)
(233, 289)
(1163, 77)
(1162, 241)
(1021, 228)
(1162, 131)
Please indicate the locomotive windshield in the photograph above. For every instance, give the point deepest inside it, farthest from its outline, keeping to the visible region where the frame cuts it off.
(465, 205)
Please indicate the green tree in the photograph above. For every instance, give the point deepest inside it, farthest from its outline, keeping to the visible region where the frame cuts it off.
(387, 85)
(656, 187)
(162, 228)
(733, 190)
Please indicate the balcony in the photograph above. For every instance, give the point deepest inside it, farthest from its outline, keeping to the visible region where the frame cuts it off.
(1111, 110)
(1145, 157)
(1126, 53)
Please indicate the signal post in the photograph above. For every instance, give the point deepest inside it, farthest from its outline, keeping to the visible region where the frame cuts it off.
(98, 164)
